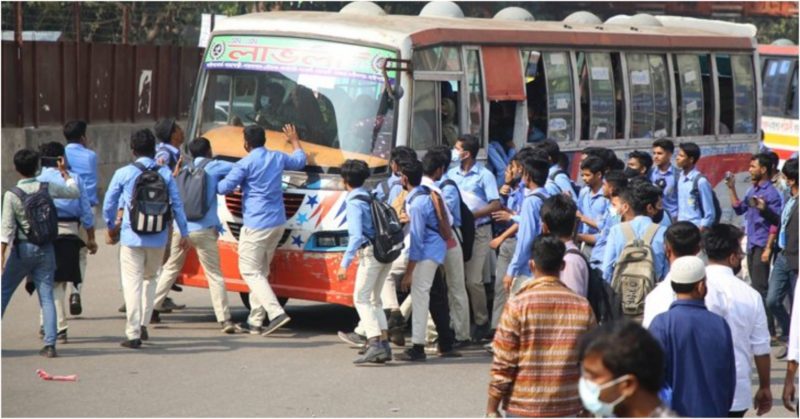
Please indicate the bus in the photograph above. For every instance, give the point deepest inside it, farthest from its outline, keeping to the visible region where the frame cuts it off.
(780, 121)
(359, 82)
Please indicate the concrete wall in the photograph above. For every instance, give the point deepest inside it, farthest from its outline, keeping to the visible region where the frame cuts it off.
(109, 141)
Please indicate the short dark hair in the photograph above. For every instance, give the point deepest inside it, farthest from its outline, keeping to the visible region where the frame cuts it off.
(26, 162)
(200, 147)
(402, 152)
(643, 158)
(470, 144)
(790, 169)
(49, 152)
(524, 152)
(143, 143)
(625, 347)
(548, 253)
(431, 163)
(683, 238)
(722, 240)
(536, 169)
(645, 193)
(764, 161)
(683, 288)
(563, 161)
(558, 212)
(355, 172)
(692, 151)
(254, 136)
(74, 131)
(617, 180)
(164, 129)
(551, 148)
(665, 144)
(774, 159)
(412, 169)
(593, 164)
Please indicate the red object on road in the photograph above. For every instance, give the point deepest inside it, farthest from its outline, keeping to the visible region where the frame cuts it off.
(45, 376)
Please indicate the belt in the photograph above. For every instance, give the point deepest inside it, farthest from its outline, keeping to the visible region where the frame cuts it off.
(69, 220)
(483, 224)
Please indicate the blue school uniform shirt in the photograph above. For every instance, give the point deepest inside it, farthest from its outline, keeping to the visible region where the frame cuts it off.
(599, 250)
(393, 187)
(216, 170)
(688, 205)
(699, 359)
(359, 224)
(119, 194)
(426, 242)
(167, 153)
(83, 161)
(530, 227)
(592, 205)
(499, 160)
(670, 191)
(259, 174)
(560, 184)
(616, 242)
(79, 209)
(477, 185)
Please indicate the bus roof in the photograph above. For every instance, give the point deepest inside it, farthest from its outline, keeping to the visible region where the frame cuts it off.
(396, 30)
(780, 50)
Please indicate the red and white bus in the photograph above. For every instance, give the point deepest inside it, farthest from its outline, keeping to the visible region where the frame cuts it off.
(780, 121)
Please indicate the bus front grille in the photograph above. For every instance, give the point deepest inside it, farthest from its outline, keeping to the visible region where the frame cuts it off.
(291, 202)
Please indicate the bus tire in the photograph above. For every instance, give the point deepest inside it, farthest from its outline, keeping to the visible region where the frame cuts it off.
(246, 300)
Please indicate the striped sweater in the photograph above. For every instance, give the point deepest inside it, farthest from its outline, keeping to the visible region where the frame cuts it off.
(535, 370)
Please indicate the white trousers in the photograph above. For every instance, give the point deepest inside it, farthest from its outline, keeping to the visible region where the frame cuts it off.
(421, 283)
(457, 296)
(139, 267)
(370, 277)
(256, 249)
(205, 243)
(474, 274)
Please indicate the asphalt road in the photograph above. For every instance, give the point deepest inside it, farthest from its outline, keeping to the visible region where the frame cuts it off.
(190, 369)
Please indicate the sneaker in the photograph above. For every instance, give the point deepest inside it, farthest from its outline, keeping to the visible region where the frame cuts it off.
(75, 304)
(228, 327)
(143, 335)
(414, 354)
(155, 318)
(481, 333)
(121, 309)
(48, 351)
(376, 354)
(169, 305)
(176, 288)
(352, 338)
(275, 324)
(388, 349)
(132, 344)
(61, 336)
(781, 353)
(247, 328)
(363, 349)
(397, 325)
(488, 348)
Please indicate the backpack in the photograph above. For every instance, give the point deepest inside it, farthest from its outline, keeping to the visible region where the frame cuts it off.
(150, 210)
(599, 293)
(575, 189)
(40, 210)
(192, 182)
(388, 241)
(467, 238)
(634, 273)
(696, 194)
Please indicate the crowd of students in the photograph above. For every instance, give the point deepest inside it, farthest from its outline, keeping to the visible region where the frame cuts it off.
(640, 242)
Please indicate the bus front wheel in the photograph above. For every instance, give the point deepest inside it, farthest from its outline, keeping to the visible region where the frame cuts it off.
(246, 300)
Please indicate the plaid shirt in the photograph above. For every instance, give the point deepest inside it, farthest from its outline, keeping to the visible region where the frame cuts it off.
(535, 370)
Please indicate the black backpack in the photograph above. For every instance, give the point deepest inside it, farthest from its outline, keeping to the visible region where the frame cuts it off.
(601, 296)
(388, 241)
(467, 222)
(696, 194)
(150, 210)
(575, 189)
(192, 182)
(40, 210)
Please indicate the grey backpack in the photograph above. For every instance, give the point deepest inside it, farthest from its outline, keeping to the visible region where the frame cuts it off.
(635, 274)
(192, 182)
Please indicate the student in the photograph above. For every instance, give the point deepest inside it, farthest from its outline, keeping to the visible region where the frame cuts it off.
(613, 183)
(696, 207)
(388, 190)
(426, 253)
(371, 273)
(665, 175)
(639, 163)
(537, 340)
(655, 206)
(259, 175)
(83, 162)
(622, 372)
(203, 235)
(698, 347)
(141, 255)
(559, 220)
(479, 190)
(499, 153)
(592, 203)
(72, 215)
(558, 181)
(27, 258)
(170, 139)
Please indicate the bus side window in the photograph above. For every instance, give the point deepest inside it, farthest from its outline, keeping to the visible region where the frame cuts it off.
(744, 103)
(776, 86)
(725, 81)
(650, 106)
(475, 91)
(597, 96)
(791, 110)
(619, 94)
(708, 94)
(425, 122)
(535, 93)
(560, 120)
(689, 91)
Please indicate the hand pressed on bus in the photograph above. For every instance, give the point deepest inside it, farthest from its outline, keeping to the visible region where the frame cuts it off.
(341, 274)
(291, 135)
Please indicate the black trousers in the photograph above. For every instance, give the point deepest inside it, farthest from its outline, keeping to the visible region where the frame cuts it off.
(759, 276)
(440, 311)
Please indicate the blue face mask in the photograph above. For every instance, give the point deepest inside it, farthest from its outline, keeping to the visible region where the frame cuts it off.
(590, 396)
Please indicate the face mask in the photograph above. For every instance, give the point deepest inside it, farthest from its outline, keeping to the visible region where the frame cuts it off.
(590, 396)
(516, 180)
(612, 210)
(629, 173)
(658, 217)
(455, 156)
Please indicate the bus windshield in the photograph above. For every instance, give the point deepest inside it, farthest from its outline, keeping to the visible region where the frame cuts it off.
(333, 93)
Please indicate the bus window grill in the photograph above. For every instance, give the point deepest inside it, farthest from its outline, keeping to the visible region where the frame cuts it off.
(291, 201)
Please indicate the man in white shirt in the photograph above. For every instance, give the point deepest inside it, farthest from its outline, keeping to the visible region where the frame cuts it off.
(789, 389)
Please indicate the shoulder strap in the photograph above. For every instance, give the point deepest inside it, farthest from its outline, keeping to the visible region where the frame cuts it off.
(540, 196)
(579, 253)
(627, 232)
(18, 192)
(650, 233)
(385, 188)
(696, 182)
(424, 191)
(202, 164)
(363, 198)
(451, 182)
(43, 186)
(140, 166)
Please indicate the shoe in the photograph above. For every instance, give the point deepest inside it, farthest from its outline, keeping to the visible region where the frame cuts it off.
(488, 348)
(61, 336)
(228, 327)
(414, 354)
(461, 344)
(450, 354)
(176, 288)
(481, 332)
(375, 354)
(246, 328)
(132, 344)
(387, 349)
(48, 351)
(397, 325)
(275, 324)
(41, 332)
(363, 349)
(170, 305)
(121, 308)
(781, 353)
(143, 335)
(75, 304)
(155, 318)
(352, 338)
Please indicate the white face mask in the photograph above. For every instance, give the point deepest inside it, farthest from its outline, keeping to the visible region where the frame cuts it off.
(590, 396)
(612, 210)
(455, 156)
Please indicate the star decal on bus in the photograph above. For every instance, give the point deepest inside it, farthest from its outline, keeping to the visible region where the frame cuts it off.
(302, 218)
(312, 201)
(297, 241)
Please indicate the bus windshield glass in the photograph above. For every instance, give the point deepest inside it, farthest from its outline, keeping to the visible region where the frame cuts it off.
(333, 93)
